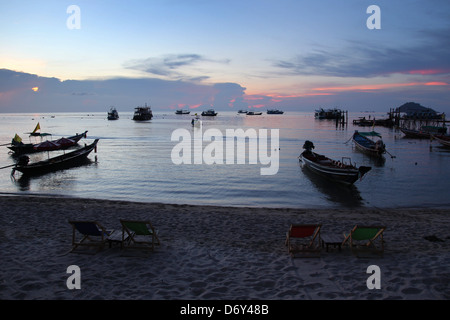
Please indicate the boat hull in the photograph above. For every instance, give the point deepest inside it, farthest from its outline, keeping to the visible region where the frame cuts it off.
(367, 146)
(142, 114)
(425, 133)
(443, 140)
(346, 176)
(65, 161)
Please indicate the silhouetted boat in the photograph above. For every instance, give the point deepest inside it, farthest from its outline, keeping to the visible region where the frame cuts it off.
(182, 112)
(424, 132)
(274, 111)
(334, 113)
(23, 148)
(340, 171)
(65, 161)
(113, 114)
(210, 113)
(253, 113)
(142, 113)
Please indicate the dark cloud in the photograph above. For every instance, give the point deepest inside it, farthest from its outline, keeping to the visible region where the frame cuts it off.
(164, 66)
(366, 59)
(16, 94)
(171, 65)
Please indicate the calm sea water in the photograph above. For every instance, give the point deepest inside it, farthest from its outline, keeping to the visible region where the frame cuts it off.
(134, 163)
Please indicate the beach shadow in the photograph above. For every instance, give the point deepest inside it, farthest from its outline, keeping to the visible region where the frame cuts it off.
(347, 196)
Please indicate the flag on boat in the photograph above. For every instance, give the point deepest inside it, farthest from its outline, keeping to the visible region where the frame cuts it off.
(17, 138)
(38, 127)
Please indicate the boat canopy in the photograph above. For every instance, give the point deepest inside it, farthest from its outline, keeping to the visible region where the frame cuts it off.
(370, 134)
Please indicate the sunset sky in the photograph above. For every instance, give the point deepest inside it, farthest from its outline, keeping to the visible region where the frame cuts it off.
(291, 54)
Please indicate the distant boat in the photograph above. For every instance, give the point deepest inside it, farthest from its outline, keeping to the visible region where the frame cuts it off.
(369, 146)
(65, 161)
(142, 113)
(209, 113)
(242, 111)
(113, 114)
(253, 113)
(363, 122)
(274, 111)
(182, 111)
(334, 113)
(339, 171)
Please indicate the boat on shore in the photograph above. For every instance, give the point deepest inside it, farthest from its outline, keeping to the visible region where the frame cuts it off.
(61, 162)
(113, 114)
(371, 147)
(142, 113)
(20, 148)
(339, 171)
(209, 113)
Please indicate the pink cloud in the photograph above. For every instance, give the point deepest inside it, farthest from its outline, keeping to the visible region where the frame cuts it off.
(372, 87)
(428, 71)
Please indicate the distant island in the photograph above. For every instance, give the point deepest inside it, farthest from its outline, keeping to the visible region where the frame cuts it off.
(415, 110)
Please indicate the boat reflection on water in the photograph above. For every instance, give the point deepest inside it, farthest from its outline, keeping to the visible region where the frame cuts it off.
(347, 196)
(51, 181)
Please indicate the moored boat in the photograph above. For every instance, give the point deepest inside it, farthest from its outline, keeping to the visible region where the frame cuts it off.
(333, 113)
(180, 111)
(339, 171)
(20, 148)
(424, 132)
(274, 111)
(442, 139)
(61, 162)
(113, 114)
(142, 113)
(209, 113)
(375, 148)
(254, 113)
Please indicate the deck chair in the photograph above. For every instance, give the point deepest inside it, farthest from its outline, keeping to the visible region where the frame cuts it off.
(139, 234)
(92, 234)
(303, 239)
(365, 238)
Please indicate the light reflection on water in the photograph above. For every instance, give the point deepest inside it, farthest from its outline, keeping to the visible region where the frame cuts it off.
(134, 163)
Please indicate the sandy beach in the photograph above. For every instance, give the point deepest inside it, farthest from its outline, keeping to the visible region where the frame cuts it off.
(217, 253)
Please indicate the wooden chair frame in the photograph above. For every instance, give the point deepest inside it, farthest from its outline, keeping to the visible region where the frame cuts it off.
(370, 241)
(309, 232)
(93, 234)
(141, 228)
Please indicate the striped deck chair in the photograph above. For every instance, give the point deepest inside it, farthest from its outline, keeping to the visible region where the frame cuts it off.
(92, 234)
(362, 238)
(303, 239)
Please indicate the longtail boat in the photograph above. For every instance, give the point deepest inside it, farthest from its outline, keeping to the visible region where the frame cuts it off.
(61, 162)
(24, 148)
(340, 171)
